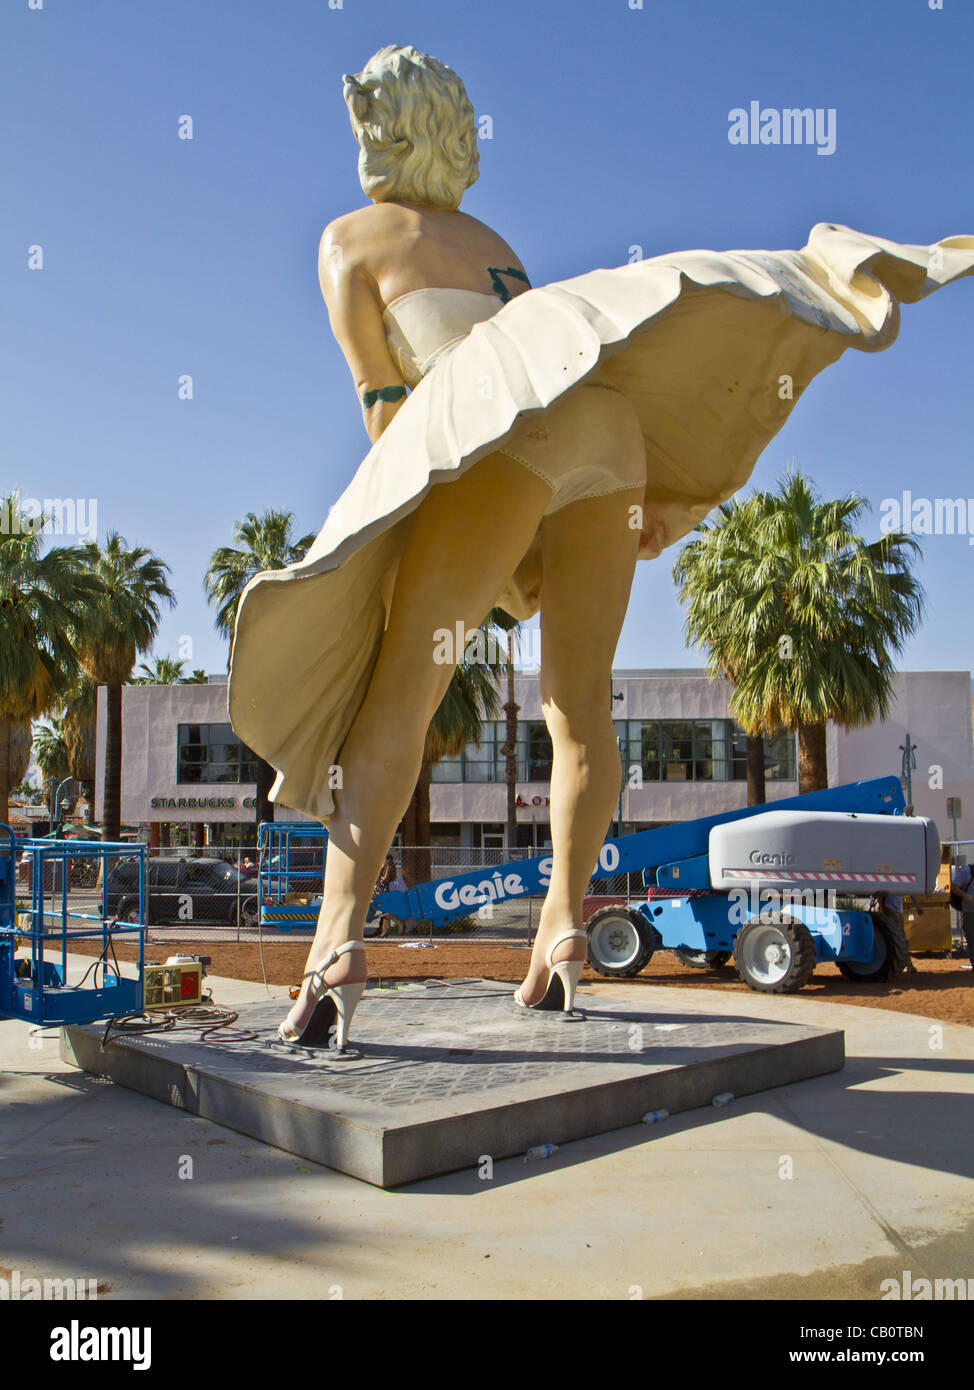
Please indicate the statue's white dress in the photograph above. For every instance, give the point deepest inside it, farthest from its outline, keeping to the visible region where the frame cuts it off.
(711, 348)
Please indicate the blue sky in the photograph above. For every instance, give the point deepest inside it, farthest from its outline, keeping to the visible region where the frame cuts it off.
(163, 257)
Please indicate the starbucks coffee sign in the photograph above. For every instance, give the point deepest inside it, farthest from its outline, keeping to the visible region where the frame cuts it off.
(202, 803)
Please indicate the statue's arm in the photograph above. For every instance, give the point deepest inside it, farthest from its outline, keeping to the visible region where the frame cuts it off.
(355, 311)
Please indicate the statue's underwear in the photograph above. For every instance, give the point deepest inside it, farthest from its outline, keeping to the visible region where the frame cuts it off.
(587, 444)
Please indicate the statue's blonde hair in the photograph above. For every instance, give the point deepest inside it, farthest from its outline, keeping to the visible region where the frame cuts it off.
(415, 127)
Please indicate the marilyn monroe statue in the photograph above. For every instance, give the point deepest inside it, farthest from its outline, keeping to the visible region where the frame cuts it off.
(528, 447)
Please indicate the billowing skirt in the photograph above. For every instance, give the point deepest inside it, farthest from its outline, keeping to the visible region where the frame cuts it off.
(712, 349)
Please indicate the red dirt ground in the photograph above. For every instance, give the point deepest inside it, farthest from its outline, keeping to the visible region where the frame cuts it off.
(940, 989)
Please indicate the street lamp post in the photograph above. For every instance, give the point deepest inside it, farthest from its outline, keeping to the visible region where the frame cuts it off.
(612, 698)
(909, 752)
(57, 802)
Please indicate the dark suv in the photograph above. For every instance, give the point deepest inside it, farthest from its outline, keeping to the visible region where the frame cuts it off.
(183, 891)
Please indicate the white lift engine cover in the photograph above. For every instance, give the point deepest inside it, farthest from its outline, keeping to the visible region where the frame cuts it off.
(827, 849)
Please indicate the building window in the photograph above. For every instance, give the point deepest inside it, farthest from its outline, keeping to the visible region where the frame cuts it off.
(540, 753)
(698, 750)
(213, 753)
(676, 736)
(665, 750)
(477, 763)
(445, 835)
(478, 759)
(639, 743)
(779, 757)
(712, 750)
(487, 761)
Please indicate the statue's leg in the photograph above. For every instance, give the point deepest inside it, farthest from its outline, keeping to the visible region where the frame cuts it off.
(465, 540)
(589, 552)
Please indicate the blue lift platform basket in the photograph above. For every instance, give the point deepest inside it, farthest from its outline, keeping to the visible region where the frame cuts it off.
(290, 875)
(34, 987)
(683, 911)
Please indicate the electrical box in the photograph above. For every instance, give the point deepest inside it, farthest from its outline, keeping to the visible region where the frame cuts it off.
(926, 920)
(177, 984)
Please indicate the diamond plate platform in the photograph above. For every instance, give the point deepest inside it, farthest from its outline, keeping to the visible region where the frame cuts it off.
(445, 1074)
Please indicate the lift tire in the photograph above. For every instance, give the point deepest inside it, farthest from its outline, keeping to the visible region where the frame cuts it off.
(789, 968)
(620, 942)
(891, 954)
(701, 960)
(128, 910)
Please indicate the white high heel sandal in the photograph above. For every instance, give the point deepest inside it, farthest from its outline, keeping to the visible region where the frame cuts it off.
(334, 1006)
(562, 980)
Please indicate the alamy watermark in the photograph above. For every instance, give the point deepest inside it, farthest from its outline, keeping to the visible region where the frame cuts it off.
(745, 903)
(928, 516)
(54, 516)
(77, 1343)
(791, 125)
(21, 1288)
(911, 1289)
(480, 648)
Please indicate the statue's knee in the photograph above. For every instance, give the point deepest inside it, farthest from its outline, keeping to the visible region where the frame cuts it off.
(579, 713)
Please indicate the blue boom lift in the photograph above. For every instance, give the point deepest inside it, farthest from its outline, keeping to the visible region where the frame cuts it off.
(780, 886)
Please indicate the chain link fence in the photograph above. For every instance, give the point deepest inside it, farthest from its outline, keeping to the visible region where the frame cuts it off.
(211, 894)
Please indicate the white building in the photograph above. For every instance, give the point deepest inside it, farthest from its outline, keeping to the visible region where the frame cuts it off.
(184, 772)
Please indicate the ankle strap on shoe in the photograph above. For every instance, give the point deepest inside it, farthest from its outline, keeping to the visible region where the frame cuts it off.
(565, 936)
(338, 951)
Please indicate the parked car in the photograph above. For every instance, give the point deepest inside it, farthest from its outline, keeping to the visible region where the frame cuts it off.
(181, 891)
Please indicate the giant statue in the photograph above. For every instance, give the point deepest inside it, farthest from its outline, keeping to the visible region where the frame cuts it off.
(529, 445)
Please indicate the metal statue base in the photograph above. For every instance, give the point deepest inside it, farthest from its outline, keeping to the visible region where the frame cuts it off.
(444, 1076)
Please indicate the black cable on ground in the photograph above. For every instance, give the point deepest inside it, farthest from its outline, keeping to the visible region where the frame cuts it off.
(204, 1019)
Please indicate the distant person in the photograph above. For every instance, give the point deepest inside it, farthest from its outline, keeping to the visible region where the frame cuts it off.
(386, 874)
(386, 881)
(962, 898)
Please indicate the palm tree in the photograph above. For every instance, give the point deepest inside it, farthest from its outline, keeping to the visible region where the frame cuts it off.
(43, 600)
(511, 710)
(21, 746)
(121, 624)
(818, 616)
(706, 572)
(164, 670)
(78, 719)
(51, 751)
(199, 677)
(262, 542)
(471, 698)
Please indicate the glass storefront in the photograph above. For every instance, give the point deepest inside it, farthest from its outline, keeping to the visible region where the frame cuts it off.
(200, 834)
(665, 750)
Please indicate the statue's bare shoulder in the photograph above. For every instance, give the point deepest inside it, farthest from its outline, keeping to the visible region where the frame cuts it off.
(343, 236)
(392, 245)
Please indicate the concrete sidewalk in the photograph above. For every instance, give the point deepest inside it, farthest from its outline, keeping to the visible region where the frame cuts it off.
(817, 1190)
